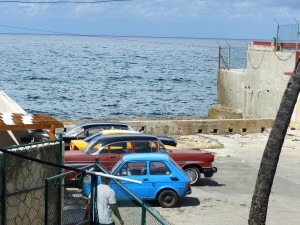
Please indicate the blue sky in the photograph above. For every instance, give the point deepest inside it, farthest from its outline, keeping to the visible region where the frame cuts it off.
(236, 19)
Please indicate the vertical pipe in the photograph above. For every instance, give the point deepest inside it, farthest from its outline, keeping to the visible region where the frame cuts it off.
(4, 189)
(94, 186)
(297, 36)
(52, 132)
(143, 221)
(277, 36)
(219, 61)
(46, 200)
(228, 56)
(60, 189)
(93, 201)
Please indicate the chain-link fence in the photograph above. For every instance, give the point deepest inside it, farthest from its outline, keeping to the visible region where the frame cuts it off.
(68, 188)
(287, 33)
(232, 57)
(34, 190)
(22, 182)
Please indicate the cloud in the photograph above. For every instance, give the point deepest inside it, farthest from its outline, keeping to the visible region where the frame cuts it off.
(33, 9)
(168, 10)
(167, 17)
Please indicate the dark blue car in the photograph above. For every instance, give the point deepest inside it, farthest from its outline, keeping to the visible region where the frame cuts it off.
(94, 129)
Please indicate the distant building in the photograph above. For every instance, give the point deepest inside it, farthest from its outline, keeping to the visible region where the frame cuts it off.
(257, 90)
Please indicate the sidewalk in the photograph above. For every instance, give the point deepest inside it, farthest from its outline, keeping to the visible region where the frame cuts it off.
(226, 197)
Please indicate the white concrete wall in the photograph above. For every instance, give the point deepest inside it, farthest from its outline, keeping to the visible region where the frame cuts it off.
(14, 137)
(9, 105)
(231, 88)
(266, 81)
(257, 91)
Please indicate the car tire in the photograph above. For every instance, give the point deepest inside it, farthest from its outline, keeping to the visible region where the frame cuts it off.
(167, 198)
(194, 174)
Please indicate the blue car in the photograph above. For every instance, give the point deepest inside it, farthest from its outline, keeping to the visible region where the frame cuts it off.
(162, 179)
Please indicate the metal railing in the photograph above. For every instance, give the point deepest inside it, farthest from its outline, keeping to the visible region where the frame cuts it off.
(232, 57)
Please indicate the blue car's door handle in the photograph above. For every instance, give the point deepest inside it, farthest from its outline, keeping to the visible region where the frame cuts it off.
(174, 179)
(145, 179)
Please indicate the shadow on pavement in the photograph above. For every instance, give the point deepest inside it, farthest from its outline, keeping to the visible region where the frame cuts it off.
(209, 182)
(182, 202)
(188, 201)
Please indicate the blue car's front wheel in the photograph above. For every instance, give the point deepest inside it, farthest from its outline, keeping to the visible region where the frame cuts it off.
(167, 198)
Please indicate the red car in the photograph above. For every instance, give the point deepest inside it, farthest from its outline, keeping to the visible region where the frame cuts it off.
(110, 149)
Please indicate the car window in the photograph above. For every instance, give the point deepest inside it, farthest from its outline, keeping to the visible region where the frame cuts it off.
(119, 148)
(162, 148)
(145, 147)
(94, 130)
(92, 147)
(74, 132)
(104, 150)
(159, 168)
(133, 169)
(88, 139)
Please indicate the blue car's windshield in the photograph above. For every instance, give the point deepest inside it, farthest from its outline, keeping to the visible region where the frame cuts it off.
(175, 164)
(116, 166)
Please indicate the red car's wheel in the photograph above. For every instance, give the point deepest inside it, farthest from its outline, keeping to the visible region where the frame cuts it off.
(194, 174)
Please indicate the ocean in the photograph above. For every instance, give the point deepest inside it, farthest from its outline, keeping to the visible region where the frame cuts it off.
(100, 77)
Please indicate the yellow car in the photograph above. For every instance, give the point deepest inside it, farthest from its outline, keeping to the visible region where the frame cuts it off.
(81, 143)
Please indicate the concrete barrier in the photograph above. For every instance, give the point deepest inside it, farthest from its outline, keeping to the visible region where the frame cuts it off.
(205, 126)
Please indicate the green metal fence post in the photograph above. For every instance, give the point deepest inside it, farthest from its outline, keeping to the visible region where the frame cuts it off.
(4, 189)
(93, 199)
(46, 200)
(143, 221)
(94, 184)
(60, 161)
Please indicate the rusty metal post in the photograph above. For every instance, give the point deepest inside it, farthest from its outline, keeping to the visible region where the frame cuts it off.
(219, 61)
(52, 132)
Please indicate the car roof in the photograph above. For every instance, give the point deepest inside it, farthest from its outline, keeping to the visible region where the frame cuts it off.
(118, 131)
(109, 132)
(146, 156)
(91, 124)
(107, 139)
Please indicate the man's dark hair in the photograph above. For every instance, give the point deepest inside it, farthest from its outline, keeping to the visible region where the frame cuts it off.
(105, 180)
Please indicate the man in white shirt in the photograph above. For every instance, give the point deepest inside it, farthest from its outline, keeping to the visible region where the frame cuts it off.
(106, 204)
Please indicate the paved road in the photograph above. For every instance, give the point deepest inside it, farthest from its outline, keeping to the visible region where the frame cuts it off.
(226, 198)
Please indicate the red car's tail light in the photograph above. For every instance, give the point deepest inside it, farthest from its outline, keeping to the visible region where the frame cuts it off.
(188, 186)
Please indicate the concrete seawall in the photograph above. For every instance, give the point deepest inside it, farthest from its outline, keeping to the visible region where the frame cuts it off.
(194, 126)
(214, 126)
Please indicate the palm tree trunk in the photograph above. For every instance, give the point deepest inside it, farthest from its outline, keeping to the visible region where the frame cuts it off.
(266, 173)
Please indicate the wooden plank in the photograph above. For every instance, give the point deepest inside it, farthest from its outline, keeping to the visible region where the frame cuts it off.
(39, 121)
